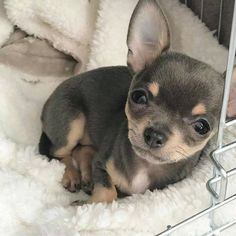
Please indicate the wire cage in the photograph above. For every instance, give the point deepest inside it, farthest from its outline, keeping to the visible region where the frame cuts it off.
(218, 184)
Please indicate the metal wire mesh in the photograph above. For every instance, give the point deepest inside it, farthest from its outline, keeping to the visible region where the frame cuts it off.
(201, 11)
(218, 184)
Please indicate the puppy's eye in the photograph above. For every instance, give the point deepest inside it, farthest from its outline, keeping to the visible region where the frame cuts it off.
(201, 126)
(139, 97)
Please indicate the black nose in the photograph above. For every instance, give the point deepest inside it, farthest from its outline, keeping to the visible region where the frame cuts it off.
(154, 138)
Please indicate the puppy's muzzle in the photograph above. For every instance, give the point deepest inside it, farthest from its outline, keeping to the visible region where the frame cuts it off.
(154, 138)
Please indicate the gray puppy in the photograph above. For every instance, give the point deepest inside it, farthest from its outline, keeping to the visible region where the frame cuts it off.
(144, 131)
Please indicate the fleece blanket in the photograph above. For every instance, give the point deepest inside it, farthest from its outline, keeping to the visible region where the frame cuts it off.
(32, 200)
(42, 56)
(67, 25)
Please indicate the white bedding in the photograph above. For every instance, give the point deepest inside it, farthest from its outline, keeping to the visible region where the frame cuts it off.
(32, 200)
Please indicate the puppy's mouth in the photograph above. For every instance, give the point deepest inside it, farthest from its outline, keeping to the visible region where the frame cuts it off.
(145, 152)
(147, 155)
(163, 155)
(173, 150)
(162, 158)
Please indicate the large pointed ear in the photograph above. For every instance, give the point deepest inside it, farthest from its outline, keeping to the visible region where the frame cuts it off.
(148, 35)
(231, 111)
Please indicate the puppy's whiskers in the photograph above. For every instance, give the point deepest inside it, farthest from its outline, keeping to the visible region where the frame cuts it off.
(182, 155)
(179, 148)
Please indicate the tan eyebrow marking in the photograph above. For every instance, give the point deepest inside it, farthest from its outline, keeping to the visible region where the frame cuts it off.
(154, 88)
(199, 109)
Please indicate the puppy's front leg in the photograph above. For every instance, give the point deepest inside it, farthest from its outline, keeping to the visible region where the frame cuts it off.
(83, 156)
(104, 190)
(71, 177)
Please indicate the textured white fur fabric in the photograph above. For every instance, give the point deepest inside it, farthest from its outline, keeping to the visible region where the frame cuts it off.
(21, 103)
(189, 35)
(6, 27)
(68, 25)
(32, 200)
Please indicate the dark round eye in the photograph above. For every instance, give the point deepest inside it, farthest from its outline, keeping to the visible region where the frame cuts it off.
(139, 97)
(201, 126)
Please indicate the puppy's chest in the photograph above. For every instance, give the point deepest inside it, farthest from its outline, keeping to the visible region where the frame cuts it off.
(140, 181)
(147, 178)
(137, 183)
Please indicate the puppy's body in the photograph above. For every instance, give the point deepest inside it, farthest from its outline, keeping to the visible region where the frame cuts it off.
(100, 96)
(147, 130)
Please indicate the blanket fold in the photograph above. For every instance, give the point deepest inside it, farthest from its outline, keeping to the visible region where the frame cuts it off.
(58, 27)
(6, 27)
(35, 56)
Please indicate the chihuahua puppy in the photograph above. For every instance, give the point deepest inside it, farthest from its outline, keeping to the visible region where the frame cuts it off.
(144, 130)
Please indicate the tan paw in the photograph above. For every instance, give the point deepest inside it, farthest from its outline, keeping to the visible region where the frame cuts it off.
(71, 180)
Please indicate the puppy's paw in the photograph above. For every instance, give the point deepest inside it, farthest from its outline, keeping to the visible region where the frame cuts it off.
(87, 186)
(71, 180)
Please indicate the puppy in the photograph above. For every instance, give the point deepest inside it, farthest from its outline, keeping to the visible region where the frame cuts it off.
(144, 130)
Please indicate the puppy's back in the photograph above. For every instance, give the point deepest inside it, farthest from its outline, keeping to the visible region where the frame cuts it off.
(98, 94)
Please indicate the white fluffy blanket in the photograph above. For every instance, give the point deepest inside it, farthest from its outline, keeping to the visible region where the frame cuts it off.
(32, 200)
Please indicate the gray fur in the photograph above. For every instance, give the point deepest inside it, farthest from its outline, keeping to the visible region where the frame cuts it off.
(101, 96)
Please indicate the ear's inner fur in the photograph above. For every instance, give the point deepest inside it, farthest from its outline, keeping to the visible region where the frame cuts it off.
(148, 35)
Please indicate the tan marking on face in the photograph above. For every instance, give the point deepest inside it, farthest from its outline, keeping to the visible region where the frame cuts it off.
(135, 124)
(103, 194)
(176, 142)
(127, 111)
(154, 88)
(136, 127)
(74, 135)
(117, 178)
(199, 109)
(129, 118)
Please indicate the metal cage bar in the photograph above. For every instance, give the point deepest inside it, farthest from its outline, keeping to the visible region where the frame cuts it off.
(230, 65)
(202, 9)
(221, 148)
(217, 185)
(197, 216)
(221, 229)
(220, 19)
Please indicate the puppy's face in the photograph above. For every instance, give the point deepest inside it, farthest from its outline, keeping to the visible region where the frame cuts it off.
(173, 108)
(174, 101)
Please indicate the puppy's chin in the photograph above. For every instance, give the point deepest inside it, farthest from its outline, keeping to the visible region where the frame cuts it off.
(146, 155)
(154, 156)
(149, 157)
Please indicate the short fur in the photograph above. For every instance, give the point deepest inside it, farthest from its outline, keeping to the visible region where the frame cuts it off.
(139, 146)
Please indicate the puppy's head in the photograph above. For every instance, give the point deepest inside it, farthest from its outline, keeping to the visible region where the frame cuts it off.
(174, 101)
